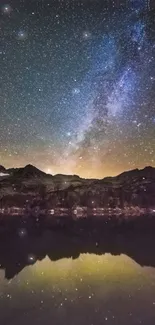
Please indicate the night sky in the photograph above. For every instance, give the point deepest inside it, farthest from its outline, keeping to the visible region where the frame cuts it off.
(77, 85)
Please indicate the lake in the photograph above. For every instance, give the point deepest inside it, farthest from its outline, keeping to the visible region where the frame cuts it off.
(88, 289)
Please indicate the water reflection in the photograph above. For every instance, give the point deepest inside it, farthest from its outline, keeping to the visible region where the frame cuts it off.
(18, 252)
(56, 279)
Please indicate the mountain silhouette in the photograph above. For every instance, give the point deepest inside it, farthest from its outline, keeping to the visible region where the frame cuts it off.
(2, 169)
(26, 172)
(131, 188)
(15, 252)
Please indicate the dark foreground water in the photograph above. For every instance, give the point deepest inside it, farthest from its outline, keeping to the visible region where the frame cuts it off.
(39, 285)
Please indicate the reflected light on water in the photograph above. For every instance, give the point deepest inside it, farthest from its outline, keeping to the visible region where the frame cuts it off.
(89, 290)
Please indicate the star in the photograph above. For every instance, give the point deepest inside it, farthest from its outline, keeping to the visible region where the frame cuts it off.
(31, 258)
(86, 35)
(21, 35)
(6, 9)
(76, 91)
(22, 232)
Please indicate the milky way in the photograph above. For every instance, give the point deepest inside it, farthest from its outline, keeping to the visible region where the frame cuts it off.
(77, 85)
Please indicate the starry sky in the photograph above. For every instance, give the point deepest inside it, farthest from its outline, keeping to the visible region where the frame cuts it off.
(77, 85)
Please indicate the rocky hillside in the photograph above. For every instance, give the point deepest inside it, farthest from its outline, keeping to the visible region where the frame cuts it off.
(21, 186)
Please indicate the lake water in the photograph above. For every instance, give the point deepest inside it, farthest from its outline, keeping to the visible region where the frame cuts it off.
(91, 289)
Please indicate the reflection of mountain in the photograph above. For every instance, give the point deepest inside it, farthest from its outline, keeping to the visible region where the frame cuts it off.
(21, 185)
(17, 253)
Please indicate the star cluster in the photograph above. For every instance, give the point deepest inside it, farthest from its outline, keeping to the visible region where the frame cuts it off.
(77, 85)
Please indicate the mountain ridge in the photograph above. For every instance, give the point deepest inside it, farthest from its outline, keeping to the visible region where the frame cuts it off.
(31, 169)
(29, 184)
